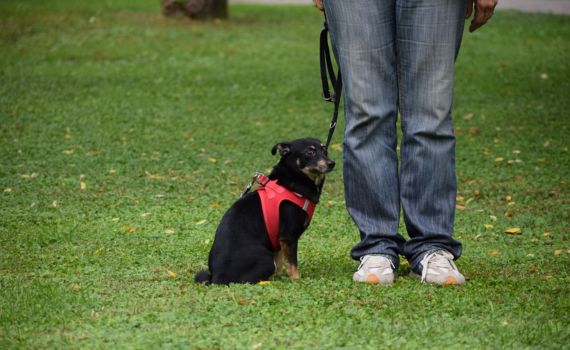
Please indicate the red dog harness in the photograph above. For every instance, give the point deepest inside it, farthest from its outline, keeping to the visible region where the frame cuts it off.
(271, 195)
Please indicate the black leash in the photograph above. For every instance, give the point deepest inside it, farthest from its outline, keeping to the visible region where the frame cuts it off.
(327, 73)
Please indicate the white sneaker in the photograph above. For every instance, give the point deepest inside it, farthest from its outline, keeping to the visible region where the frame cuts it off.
(375, 269)
(438, 268)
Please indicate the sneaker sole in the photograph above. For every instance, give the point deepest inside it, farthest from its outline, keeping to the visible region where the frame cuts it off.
(373, 279)
(449, 281)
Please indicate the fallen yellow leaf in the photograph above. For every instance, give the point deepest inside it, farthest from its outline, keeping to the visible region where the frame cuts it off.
(75, 287)
(546, 234)
(499, 159)
(558, 252)
(168, 231)
(171, 274)
(201, 222)
(7, 190)
(513, 231)
(153, 176)
(336, 147)
(460, 207)
(83, 185)
(494, 252)
(129, 229)
(264, 283)
(488, 225)
(98, 251)
(68, 151)
(212, 160)
(93, 153)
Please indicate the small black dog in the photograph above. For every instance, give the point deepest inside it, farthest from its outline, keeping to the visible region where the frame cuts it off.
(244, 251)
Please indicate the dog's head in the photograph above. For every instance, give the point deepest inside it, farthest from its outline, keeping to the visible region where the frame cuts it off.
(308, 156)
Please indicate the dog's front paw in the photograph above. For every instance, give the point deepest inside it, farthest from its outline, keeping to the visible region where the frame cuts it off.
(293, 272)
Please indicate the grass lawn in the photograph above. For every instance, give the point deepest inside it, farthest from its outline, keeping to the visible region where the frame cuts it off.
(124, 136)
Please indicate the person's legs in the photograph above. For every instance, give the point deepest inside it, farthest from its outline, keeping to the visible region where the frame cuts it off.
(428, 38)
(363, 37)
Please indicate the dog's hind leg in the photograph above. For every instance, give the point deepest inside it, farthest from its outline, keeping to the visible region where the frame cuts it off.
(261, 271)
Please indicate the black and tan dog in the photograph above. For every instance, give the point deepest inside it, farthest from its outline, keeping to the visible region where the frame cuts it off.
(245, 250)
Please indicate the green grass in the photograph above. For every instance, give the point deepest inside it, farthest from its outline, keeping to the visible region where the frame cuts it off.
(164, 121)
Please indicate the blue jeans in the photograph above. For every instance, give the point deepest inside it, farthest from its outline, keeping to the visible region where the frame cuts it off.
(398, 56)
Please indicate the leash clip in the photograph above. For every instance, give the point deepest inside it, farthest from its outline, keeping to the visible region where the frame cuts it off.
(330, 98)
(255, 178)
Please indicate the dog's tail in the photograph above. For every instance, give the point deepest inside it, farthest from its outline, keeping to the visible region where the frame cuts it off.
(203, 276)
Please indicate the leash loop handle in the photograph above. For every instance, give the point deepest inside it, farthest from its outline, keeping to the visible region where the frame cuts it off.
(327, 73)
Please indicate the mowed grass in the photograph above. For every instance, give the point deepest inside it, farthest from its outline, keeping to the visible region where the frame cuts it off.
(124, 136)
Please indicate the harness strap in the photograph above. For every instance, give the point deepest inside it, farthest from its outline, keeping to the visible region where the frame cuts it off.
(272, 195)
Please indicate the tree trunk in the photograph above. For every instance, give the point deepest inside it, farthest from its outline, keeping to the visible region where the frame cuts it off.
(196, 9)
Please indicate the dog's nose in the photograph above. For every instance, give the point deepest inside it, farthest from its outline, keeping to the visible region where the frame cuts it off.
(330, 164)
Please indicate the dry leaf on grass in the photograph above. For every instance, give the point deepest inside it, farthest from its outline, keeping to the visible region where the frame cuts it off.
(153, 176)
(171, 274)
(93, 153)
(128, 229)
(336, 147)
(513, 231)
(494, 252)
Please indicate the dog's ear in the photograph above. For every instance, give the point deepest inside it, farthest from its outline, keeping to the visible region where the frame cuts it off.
(283, 147)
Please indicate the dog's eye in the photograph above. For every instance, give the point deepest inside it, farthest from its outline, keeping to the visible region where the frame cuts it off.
(311, 153)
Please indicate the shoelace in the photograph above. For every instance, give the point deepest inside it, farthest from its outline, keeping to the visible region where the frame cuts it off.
(380, 261)
(437, 259)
